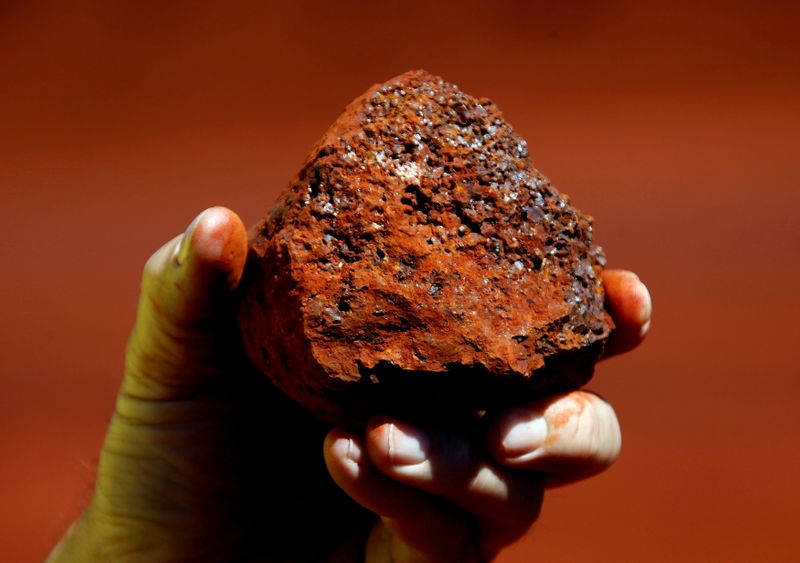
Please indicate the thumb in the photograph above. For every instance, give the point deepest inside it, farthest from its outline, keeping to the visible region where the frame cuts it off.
(183, 336)
(163, 489)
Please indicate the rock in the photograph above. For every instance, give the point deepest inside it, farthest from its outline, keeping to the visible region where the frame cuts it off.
(419, 265)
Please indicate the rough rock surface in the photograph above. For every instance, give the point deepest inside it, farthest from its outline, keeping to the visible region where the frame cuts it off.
(418, 264)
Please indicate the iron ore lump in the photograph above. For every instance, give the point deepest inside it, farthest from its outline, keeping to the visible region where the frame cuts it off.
(419, 265)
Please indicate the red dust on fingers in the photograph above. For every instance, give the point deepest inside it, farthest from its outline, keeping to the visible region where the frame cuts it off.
(568, 437)
(628, 301)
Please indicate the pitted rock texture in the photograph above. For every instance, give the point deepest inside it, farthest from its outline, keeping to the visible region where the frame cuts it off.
(419, 265)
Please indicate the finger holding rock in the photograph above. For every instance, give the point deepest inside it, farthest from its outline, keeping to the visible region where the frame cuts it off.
(567, 437)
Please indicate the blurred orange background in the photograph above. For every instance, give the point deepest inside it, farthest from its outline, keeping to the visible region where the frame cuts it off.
(676, 124)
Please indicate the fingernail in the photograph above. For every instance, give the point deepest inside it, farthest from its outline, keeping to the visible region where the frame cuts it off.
(353, 451)
(182, 250)
(407, 446)
(525, 436)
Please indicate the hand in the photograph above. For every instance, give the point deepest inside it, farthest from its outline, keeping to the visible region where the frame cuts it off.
(205, 460)
(445, 496)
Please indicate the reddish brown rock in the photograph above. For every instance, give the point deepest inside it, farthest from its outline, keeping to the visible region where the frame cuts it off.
(419, 264)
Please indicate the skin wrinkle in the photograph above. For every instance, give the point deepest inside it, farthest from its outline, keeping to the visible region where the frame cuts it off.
(154, 304)
(167, 474)
(158, 443)
(170, 411)
(147, 355)
(163, 518)
(177, 328)
(165, 523)
(158, 385)
(118, 546)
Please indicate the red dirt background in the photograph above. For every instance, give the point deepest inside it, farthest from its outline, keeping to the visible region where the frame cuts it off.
(676, 124)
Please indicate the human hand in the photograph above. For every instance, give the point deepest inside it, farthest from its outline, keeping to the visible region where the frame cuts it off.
(205, 460)
(447, 496)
